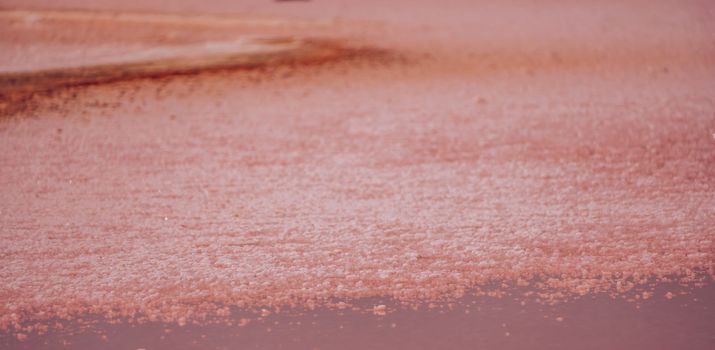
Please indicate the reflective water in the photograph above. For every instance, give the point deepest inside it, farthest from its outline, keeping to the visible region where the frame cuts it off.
(686, 321)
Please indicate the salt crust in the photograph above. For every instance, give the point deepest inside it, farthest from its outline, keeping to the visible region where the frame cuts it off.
(540, 164)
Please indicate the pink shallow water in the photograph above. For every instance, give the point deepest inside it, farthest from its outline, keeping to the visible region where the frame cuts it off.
(512, 322)
(566, 148)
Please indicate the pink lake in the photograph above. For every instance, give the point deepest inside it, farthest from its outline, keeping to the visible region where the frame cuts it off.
(462, 150)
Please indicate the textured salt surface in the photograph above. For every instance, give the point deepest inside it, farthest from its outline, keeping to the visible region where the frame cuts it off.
(569, 157)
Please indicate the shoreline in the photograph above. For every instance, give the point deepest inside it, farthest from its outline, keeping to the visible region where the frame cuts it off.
(673, 316)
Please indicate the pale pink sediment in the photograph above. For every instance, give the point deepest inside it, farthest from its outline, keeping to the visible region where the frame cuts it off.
(492, 154)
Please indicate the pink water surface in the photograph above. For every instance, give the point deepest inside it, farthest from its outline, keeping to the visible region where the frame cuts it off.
(565, 147)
